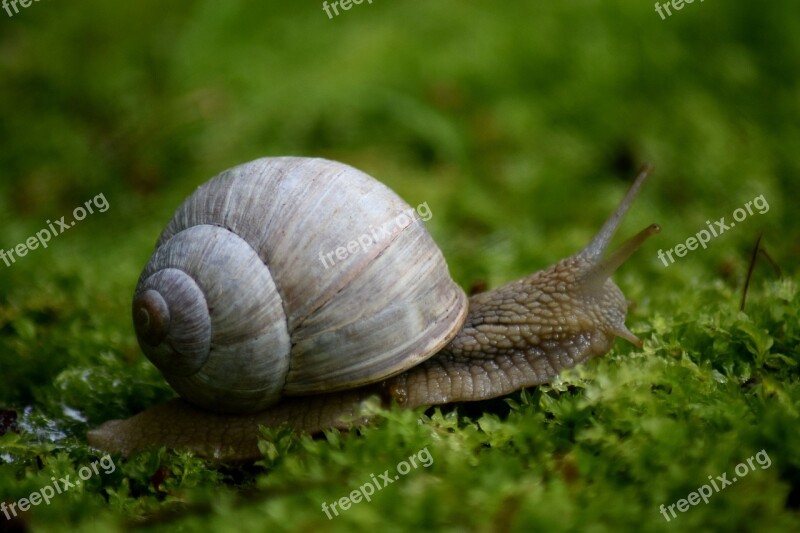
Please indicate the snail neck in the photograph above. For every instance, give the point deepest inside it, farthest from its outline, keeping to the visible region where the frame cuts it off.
(520, 335)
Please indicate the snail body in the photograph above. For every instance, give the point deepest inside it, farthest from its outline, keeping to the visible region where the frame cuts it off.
(250, 327)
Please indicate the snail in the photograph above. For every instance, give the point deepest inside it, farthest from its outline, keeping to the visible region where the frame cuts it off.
(250, 327)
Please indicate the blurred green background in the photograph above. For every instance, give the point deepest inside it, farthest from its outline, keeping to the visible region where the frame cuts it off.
(521, 126)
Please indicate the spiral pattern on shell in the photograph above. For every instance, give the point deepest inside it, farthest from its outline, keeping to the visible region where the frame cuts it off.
(237, 310)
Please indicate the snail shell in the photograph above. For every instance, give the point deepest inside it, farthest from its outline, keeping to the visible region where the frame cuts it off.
(237, 310)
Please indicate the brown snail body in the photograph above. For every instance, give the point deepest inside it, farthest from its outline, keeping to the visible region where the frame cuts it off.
(251, 328)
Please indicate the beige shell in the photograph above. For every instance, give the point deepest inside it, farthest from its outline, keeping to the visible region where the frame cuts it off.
(238, 305)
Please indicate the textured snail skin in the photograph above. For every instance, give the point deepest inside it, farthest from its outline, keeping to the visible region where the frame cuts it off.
(177, 424)
(519, 335)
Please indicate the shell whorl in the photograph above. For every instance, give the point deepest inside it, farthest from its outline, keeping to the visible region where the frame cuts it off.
(212, 318)
(236, 308)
